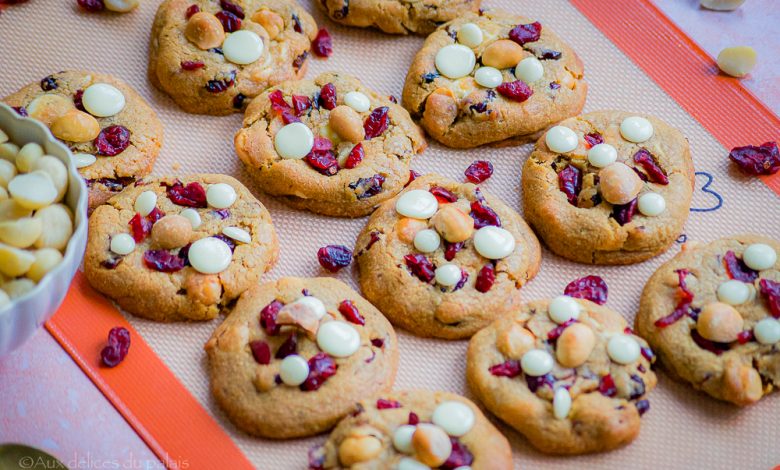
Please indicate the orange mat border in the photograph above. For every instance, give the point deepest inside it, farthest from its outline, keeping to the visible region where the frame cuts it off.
(183, 435)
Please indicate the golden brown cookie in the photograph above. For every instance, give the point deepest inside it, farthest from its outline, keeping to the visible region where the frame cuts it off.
(492, 76)
(414, 430)
(330, 145)
(567, 373)
(444, 259)
(294, 355)
(711, 313)
(213, 57)
(179, 248)
(609, 187)
(114, 134)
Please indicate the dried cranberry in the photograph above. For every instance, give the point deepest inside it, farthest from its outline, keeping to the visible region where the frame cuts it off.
(547, 54)
(117, 348)
(535, 383)
(49, 83)
(479, 171)
(230, 22)
(373, 238)
(317, 457)
(451, 249)
(607, 386)
(92, 6)
(420, 266)
(321, 368)
(191, 10)
(592, 288)
(683, 303)
(761, 160)
(392, 99)
(655, 174)
(744, 336)
(376, 123)
(322, 44)
(228, 241)
(524, 33)
(483, 215)
(268, 317)
(378, 342)
(642, 406)
(322, 158)
(21, 111)
(300, 60)
(260, 351)
(297, 24)
(239, 100)
(486, 278)
(334, 257)
(289, 347)
(771, 289)
(443, 195)
(192, 64)
(191, 195)
(77, 100)
(737, 269)
(355, 157)
(623, 213)
(638, 389)
(556, 332)
(430, 77)
(368, 187)
(464, 277)
(414, 420)
(278, 104)
(711, 346)
(413, 175)
(351, 313)
(383, 404)
(593, 139)
(516, 91)
(328, 96)
(570, 183)
(111, 263)
(460, 456)
(163, 261)
(222, 213)
(141, 227)
(219, 85)
(648, 354)
(232, 8)
(510, 368)
(300, 103)
(288, 117)
(112, 140)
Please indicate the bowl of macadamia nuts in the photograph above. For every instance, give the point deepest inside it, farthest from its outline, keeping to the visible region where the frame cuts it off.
(43, 225)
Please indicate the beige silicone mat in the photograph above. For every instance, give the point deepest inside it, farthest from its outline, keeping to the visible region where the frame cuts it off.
(683, 429)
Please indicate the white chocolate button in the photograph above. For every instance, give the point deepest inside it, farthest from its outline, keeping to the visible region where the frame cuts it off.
(759, 256)
(221, 195)
(294, 140)
(357, 101)
(314, 304)
(242, 47)
(122, 244)
(338, 338)
(7, 172)
(57, 221)
(103, 100)
(561, 139)
(494, 242)
(448, 274)
(529, 70)
(623, 349)
(82, 160)
(454, 417)
(427, 240)
(636, 129)
(145, 203)
(32, 190)
(8, 151)
(294, 370)
(488, 77)
(210, 255)
(402, 438)
(121, 6)
(563, 308)
(470, 35)
(537, 362)
(602, 155)
(238, 234)
(455, 61)
(651, 204)
(46, 259)
(737, 61)
(27, 156)
(192, 215)
(561, 403)
(417, 203)
(463, 467)
(733, 292)
(767, 331)
(408, 463)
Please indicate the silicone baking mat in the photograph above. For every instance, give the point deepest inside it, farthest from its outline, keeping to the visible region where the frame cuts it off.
(635, 59)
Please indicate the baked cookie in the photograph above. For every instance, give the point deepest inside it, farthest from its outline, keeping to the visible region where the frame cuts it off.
(213, 57)
(609, 187)
(114, 135)
(567, 373)
(294, 355)
(414, 430)
(397, 16)
(444, 259)
(712, 312)
(179, 248)
(527, 79)
(330, 145)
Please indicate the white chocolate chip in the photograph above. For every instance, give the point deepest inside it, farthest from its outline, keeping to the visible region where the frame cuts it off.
(4, 299)
(494, 242)
(33, 190)
(427, 241)
(636, 129)
(338, 338)
(221, 195)
(46, 259)
(7, 172)
(722, 5)
(417, 203)
(14, 262)
(488, 77)
(3, 137)
(561, 403)
(238, 234)
(470, 35)
(602, 155)
(10, 209)
(733, 292)
(27, 156)
(651, 204)
(192, 215)
(314, 304)
(454, 417)
(122, 244)
(18, 287)
(83, 160)
(529, 70)
(294, 140)
(537, 362)
(408, 463)
(357, 101)
(767, 331)
(3, 193)
(623, 349)
(103, 100)
(759, 256)
(243, 47)
(293, 370)
(210, 255)
(145, 203)
(561, 139)
(455, 61)
(56, 170)
(737, 61)
(57, 223)
(20, 233)
(121, 6)
(448, 275)
(402, 438)
(8, 151)
(563, 308)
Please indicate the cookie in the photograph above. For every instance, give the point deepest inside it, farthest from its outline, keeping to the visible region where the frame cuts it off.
(114, 134)
(444, 259)
(567, 373)
(712, 312)
(609, 187)
(179, 248)
(328, 145)
(294, 355)
(397, 16)
(213, 57)
(413, 430)
(492, 76)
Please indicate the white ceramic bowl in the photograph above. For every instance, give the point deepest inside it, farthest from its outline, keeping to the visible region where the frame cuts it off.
(25, 314)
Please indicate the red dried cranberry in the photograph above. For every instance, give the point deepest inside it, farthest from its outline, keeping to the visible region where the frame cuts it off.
(711, 346)
(322, 158)
(485, 278)
(297, 24)
(322, 44)
(464, 277)
(592, 288)
(117, 348)
(623, 213)
(192, 64)
(524, 33)
(300, 60)
(21, 111)
(535, 383)
(367, 187)
(376, 122)
(289, 347)
(317, 457)
(112, 140)
(355, 157)
(328, 96)
(516, 91)
(111, 263)
(92, 6)
(351, 313)
(761, 160)
(278, 104)
(300, 103)
(288, 117)
(459, 457)
(141, 227)
(238, 100)
(219, 85)
(232, 8)
(479, 171)
(383, 404)
(163, 261)
(556, 332)
(268, 317)
(321, 368)
(593, 139)
(648, 354)
(413, 175)
(771, 289)
(77, 100)
(570, 183)
(642, 406)
(744, 336)
(510, 368)
(191, 195)
(443, 195)
(451, 249)
(420, 266)
(683, 303)
(414, 420)
(260, 351)
(655, 174)
(230, 22)
(334, 257)
(638, 389)
(191, 10)
(49, 83)
(483, 215)
(737, 269)
(607, 386)
(378, 342)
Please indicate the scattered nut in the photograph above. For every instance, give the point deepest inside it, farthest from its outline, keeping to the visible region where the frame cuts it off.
(515, 342)
(346, 122)
(301, 315)
(356, 449)
(719, 322)
(737, 61)
(203, 288)
(171, 231)
(453, 224)
(407, 228)
(204, 30)
(502, 54)
(46, 108)
(432, 446)
(575, 345)
(619, 184)
(271, 21)
(75, 126)
(742, 383)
